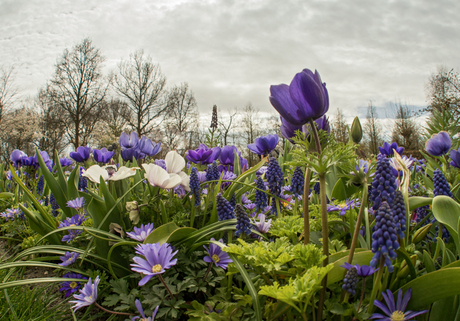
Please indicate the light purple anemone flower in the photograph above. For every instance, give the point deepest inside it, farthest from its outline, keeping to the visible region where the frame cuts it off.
(141, 311)
(88, 294)
(158, 258)
(68, 258)
(141, 233)
(395, 311)
(439, 144)
(216, 255)
(363, 270)
(350, 204)
(264, 145)
(76, 220)
(262, 225)
(76, 203)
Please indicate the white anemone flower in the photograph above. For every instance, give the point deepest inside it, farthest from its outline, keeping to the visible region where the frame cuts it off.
(174, 165)
(157, 176)
(108, 173)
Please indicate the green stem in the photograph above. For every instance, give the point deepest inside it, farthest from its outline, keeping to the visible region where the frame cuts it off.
(164, 283)
(362, 294)
(111, 312)
(192, 211)
(354, 242)
(306, 214)
(325, 234)
(376, 287)
(207, 272)
(296, 206)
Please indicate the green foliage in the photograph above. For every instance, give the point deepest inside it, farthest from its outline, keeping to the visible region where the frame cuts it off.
(289, 226)
(442, 121)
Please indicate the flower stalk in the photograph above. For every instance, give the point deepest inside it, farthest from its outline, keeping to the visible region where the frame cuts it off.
(306, 214)
(377, 284)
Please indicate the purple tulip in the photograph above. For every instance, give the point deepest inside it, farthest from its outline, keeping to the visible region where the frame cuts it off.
(130, 141)
(455, 155)
(304, 99)
(16, 157)
(147, 147)
(129, 153)
(46, 158)
(439, 144)
(227, 155)
(264, 145)
(387, 149)
(203, 155)
(102, 155)
(82, 154)
(65, 161)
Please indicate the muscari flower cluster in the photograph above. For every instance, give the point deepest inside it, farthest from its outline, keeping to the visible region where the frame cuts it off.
(421, 213)
(384, 237)
(224, 209)
(383, 184)
(441, 186)
(195, 186)
(275, 180)
(54, 204)
(260, 197)
(399, 212)
(243, 225)
(297, 182)
(212, 172)
(350, 280)
(40, 185)
(232, 201)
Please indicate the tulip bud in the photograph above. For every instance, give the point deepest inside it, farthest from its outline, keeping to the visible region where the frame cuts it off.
(404, 270)
(356, 131)
(421, 233)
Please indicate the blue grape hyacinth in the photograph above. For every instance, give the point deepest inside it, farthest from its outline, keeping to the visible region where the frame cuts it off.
(297, 182)
(350, 281)
(260, 197)
(399, 212)
(195, 186)
(224, 209)
(384, 184)
(243, 224)
(275, 180)
(441, 186)
(212, 172)
(384, 237)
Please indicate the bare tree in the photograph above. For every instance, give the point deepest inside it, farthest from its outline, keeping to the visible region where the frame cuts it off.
(443, 90)
(116, 115)
(372, 130)
(142, 84)
(78, 90)
(405, 130)
(250, 130)
(339, 128)
(227, 126)
(7, 90)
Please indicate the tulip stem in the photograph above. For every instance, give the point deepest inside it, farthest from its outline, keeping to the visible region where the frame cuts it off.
(325, 235)
(306, 214)
(315, 135)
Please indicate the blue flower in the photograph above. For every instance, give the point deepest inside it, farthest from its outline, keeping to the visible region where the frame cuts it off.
(148, 147)
(71, 286)
(212, 172)
(102, 155)
(264, 145)
(76, 203)
(81, 155)
(441, 186)
(455, 156)
(195, 185)
(243, 225)
(384, 184)
(64, 161)
(224, 209)
(141, 233)
(127, 142)
(141, 311)
(216, 255)
(68, 258)
(87, 296)
(439, 144)
(395, 312)
(387, 149)
(203, 154)
(399, 212)
(17, 157)
(260, 197)
(275, 180)
(75, 220)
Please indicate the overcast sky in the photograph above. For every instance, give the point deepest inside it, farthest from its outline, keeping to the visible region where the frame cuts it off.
(231, 51)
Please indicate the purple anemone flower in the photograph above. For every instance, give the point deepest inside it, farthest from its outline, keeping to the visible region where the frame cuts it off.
(88, 294)
(216, 255)
(203, 154)
(75, 220)
(350, 204)
(395, 311)
(387, 149)
(304, 99)
(127, 142)
(102, 155)
(64, 161)
(141, 311)
(141, 233)
(71, 286)
(81, 155)
(439, 144)
(16, 157)
(147, 147)
(264, 145)
(227, 155)
(455, 155)
(158, 258)
(68, 258)
(76, 203)
(363, 270)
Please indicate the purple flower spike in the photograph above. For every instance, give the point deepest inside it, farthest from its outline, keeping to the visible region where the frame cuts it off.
(88, 294)
(141, 233)
(81, 155)
(395, 311)
(130, 141)
(304, 99)
(455, 155)
(76, 203)
(141, 311)
(264, 145)
(363, 270)
(68, 258)
(216, 255)
(439, 144)
(102, 155)
(158, 258)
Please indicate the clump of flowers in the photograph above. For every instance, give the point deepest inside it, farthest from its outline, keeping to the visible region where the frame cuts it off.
(441, 186)
(212, 172)
(195, 186)
(297, 182)
(76, 220)
(384, 184)
(399, 212)
(260, 197)
(350, 281)
(275, 180)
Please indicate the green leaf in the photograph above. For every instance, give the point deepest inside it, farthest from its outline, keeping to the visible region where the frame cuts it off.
(445, 309)
(428, 261)
(337, 273)
(447, 212)
(6, 195)
(161, 234)
(418, 201)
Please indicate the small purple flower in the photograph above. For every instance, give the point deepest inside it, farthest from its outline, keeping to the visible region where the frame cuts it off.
(227, 175)
(304, 99)
(362, 165)
(263, 226)
(81, 155)
(141, 233)
(11, 214)
(395, 311)
(350, 204)
(141, 311)
(88, 294)
(148, 147)
(455, 155)
(161, 163)
(71, 286)
(363, 270)
(102, 155)
(68, 258)
(65, 161)
(264, 145)
(76, 203)
(127, 142)
(439, 144)
(16, 157)
(128, 154)
(158, 258)
(387, 149)
(216, 255)
(227, 155)
(75, 220)
(203, 154)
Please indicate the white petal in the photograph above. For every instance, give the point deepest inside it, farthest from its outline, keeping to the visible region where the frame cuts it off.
(174, 162)
(124, 172)
(172, 181)
(185, 181)
(156, 175)
(94, 174)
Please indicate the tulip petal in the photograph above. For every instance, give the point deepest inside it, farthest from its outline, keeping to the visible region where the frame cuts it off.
(281, 99)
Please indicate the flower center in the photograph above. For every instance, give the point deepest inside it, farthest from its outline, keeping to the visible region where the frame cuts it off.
(215, 258)
(72, 225)
(73, 285)
(156, 268)
(397, 316)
